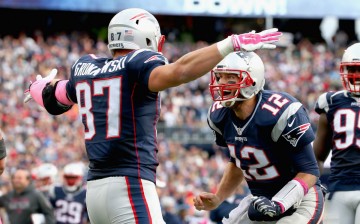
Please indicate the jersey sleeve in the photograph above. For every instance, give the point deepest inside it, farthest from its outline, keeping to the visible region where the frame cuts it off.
(141, 62)
(71, 91)
(219, 140)
(322, 103)
(70, 86)
(293, 128)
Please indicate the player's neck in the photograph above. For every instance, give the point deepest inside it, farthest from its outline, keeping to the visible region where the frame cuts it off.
(118, 53)
(245, 108)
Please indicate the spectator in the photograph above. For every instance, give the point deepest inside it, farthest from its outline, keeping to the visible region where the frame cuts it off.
(168, 205)
(24, 202)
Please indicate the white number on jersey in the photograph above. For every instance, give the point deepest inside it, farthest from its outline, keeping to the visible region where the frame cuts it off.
(84, 98)
(348, 127)
(269, 172)
(68, 211)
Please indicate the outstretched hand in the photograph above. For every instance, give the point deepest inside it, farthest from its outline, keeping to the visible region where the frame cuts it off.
(249, 41)
(206, 201)
(48, 78)
(252, 41)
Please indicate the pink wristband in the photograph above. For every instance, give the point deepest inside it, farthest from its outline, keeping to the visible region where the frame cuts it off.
(281, 206)
(60, 93)
(303, 184)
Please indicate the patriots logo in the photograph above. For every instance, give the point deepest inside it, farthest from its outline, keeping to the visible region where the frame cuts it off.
(155, 57)
(295, 134)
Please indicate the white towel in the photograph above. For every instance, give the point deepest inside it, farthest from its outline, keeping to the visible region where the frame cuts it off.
(239, 214)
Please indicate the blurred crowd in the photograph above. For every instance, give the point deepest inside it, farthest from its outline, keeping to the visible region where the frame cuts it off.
(33, 137)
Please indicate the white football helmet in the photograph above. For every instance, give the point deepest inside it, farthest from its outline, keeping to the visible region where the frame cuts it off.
(249, 67)
(73, 174)
(350, 69)
(45, 176)
(134, 29)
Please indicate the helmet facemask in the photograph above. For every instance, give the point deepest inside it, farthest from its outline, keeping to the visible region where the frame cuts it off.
(73, 176)
(350, 77)
(230, 92)
(72, 182)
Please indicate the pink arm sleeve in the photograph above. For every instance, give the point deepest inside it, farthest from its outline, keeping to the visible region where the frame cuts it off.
(60, 93)
(37, 88)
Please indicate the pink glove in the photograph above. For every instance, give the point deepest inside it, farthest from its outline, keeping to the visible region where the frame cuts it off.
(249, 41)
(35, 89)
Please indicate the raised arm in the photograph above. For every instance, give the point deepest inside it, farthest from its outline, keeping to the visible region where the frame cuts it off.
(197, 63)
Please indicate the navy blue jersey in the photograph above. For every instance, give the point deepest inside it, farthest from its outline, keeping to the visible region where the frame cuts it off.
(269, 146)
(343, 114)
(69, 207)
(119, 113)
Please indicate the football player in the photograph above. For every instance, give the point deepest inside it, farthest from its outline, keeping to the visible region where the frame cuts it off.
(118, 100)
(339, 132)
(45, 176)
(68, 200)
(268, 135)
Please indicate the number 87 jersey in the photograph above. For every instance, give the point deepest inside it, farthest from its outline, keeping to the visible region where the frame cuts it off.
(119, 113)
(272, 145)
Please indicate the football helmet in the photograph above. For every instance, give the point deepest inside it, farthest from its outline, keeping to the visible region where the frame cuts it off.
(250, 70)
(350, 69)
(134, 29)
(73, 174)
(45, 176)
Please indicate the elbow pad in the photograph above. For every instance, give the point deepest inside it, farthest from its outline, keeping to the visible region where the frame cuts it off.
(51, 104)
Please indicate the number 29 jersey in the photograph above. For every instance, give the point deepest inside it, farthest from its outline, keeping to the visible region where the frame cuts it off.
(70, 207)
(269, 145)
